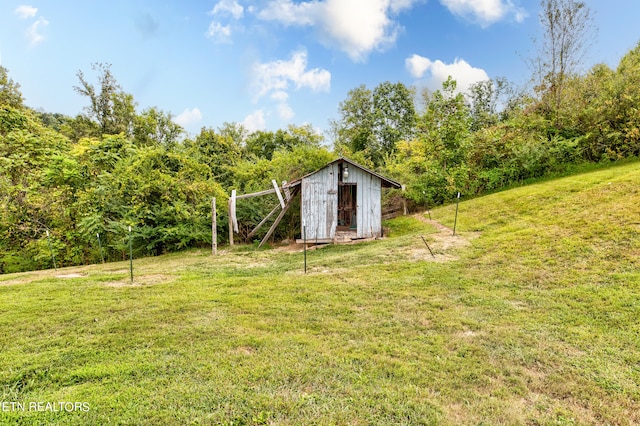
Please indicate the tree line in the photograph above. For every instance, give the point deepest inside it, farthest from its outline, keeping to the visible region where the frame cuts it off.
(113, 166)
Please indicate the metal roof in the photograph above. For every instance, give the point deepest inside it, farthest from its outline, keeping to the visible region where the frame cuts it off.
(386, 182)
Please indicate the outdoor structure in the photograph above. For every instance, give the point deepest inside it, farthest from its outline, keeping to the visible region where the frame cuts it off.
(339, 202)
(342, 201)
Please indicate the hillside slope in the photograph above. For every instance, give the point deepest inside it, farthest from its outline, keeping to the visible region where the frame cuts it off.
(528, 316)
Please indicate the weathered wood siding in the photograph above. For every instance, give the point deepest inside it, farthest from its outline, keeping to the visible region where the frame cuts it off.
(368, 212)
(319, 206)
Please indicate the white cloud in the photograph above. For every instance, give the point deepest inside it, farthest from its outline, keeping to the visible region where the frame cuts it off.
(219, 33)
(400, 5)
(485, 12)
(288, 13)
(464, 74)
(354, 26)
(285, 112)
(230, 7)
(276, 78)
(25, 11)
(280, 96)
(188, 117)
(33, 32)
(278, 75)
(255, 121)
(417, 65)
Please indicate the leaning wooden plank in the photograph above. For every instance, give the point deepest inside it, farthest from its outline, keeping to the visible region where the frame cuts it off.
(275, 187)
(232, 212)
(252, 233)
(286, 190)
(278, 219)
(256, 194)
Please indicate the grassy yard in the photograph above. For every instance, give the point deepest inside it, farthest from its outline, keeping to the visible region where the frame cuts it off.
(531, 315)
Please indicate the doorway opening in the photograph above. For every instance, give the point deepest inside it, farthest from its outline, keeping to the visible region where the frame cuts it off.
(347, 206)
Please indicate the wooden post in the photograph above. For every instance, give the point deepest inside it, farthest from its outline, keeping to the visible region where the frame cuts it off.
(130, 255)
(230, 225)
(404, 201)
(455, 221)
(214, 228)
(100, 246)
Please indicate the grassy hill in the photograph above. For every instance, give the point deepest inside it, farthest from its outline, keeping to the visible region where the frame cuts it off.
(530, 315)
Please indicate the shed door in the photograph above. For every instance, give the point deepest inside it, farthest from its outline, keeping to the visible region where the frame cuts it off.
(348, 205)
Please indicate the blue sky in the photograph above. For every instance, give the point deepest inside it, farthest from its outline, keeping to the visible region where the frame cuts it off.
(270, 63)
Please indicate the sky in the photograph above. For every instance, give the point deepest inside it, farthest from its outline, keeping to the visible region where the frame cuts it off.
(270, 63)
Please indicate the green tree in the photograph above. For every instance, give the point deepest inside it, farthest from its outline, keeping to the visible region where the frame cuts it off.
(10, 94)
(303, 135)
(484, 97)
(164, 194)
(374, 121)
(236, 132)
(612, 130)
(155, 127)
(55, 121)
(218, 151)
(568, 29)
(109, 107)
(102, 155)
(27, 207)
(263, 144)
(445, 124)
(394, 115)
(354, 129)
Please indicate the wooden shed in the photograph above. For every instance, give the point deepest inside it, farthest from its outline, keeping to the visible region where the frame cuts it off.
(341, 201)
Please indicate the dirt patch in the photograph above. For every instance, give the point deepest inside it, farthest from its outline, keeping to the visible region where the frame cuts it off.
(443, 242)
(294, 247)
(314, 270)
(244, 350)
(15, 282)
(467, 334)
(291, 247)
(144, 280)
(29, 277)
(74, 275)
(117, 271)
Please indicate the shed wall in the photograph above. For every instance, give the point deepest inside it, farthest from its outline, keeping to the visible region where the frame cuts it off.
(368, 199)
(319, 206)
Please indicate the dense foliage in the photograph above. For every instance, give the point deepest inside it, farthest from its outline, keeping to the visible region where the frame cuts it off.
(468, 145)
(75, 184)
(112, 167)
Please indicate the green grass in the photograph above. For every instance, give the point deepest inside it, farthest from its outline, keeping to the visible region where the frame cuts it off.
(534, 321)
